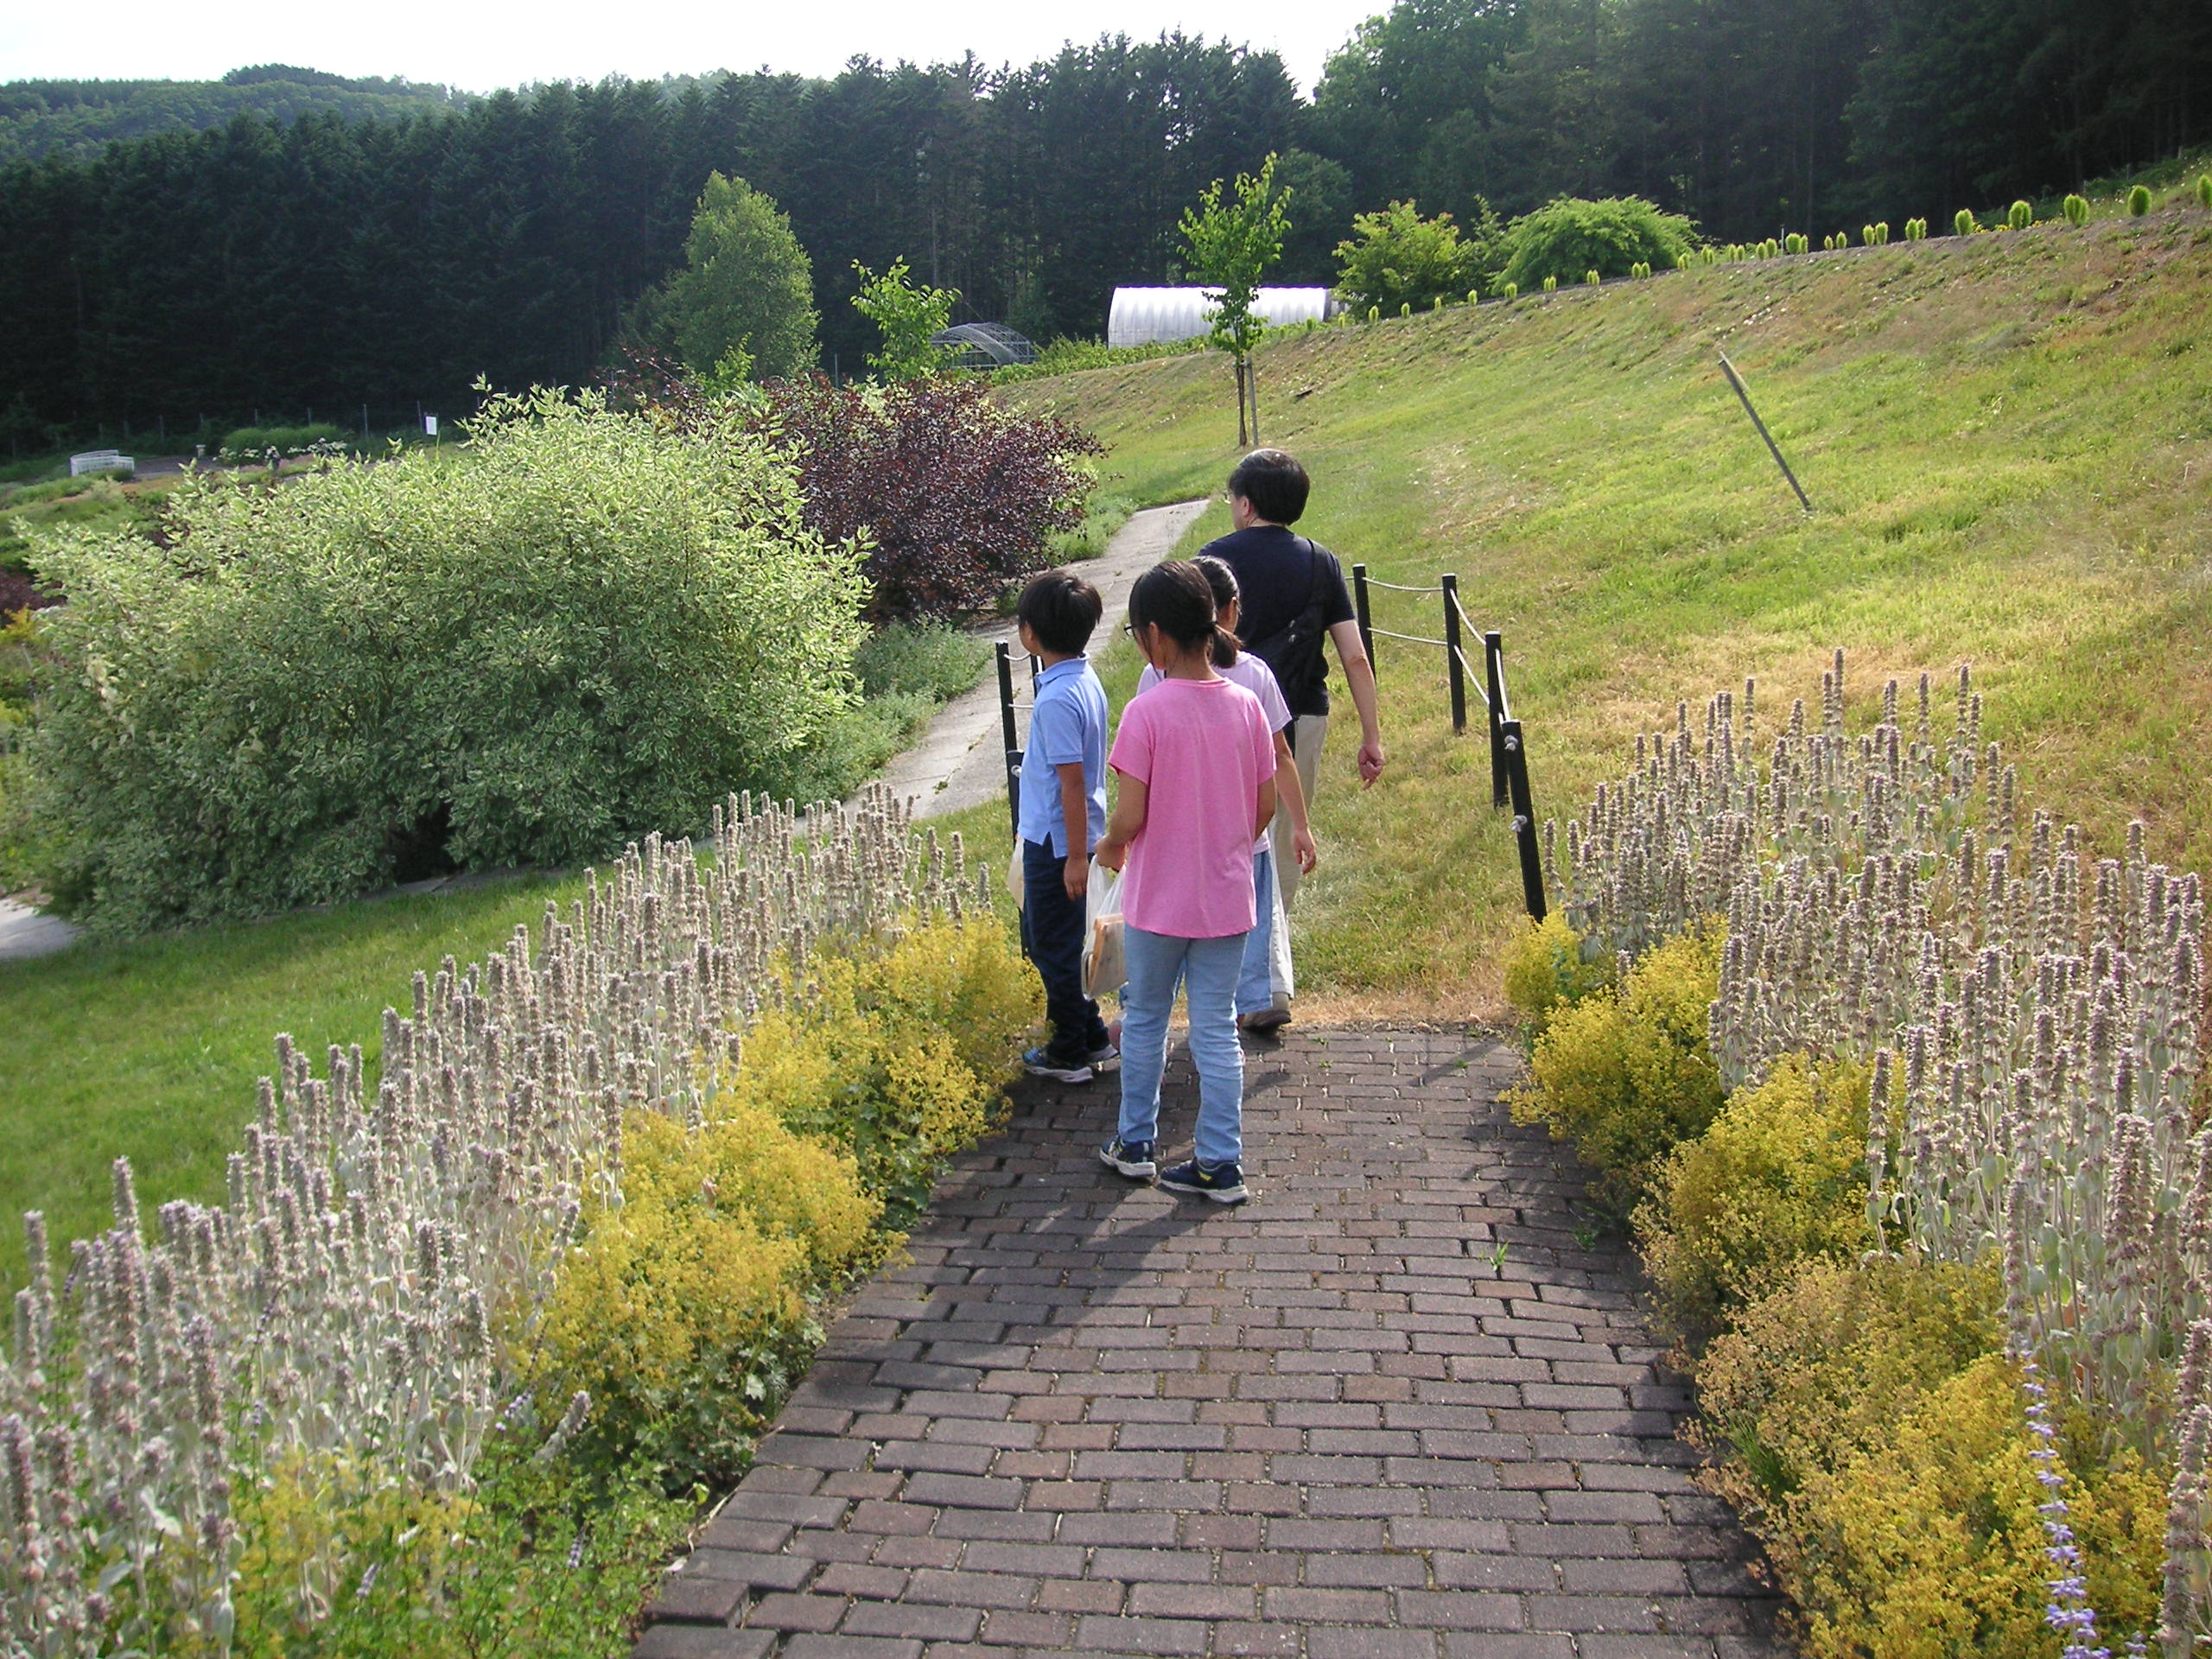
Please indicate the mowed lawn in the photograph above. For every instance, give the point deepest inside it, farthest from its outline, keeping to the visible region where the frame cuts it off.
(2007, 439)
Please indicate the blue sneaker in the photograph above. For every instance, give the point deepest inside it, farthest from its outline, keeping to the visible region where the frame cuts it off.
(1132, 1159)
(1222, 1183)
(1043, 1063)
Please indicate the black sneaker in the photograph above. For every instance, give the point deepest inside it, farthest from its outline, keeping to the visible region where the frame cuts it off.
(1105, 1059)
(1134, 1160)
(1222, 1183)
(1043, 1063)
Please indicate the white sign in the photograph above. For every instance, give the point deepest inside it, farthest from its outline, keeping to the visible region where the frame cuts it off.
(430, 426)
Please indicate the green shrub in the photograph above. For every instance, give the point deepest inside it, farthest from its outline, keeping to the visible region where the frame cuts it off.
(1375, 314)
(1571, 236)
(2204, 189)
(1511, 290)
(937, 661)
(2021, 215)
(1962, 223)
(1882, 232)
(581, 629)
(1070, 356)
(2138, 200)
(1546, 970)
(1405, 308)
(2076, 209)
(1779, 1175)
(1474, 295)
(1395, 258)
(249, 445)
(1626, 1077)
(1551, 284)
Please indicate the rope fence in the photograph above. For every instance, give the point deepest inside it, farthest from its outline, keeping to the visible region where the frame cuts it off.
(1508, 751)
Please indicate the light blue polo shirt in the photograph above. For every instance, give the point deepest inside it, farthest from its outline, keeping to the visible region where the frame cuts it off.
(1067, 723)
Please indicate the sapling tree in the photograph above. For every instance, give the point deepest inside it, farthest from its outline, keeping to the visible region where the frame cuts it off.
(909, 315)
(1232, 245)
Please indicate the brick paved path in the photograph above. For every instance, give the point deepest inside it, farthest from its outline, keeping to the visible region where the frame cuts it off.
(1325, 1426)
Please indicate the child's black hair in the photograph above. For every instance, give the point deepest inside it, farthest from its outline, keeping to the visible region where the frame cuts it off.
(1274, 482)
(1226, 593)
(1061, 610)
(1177, 598)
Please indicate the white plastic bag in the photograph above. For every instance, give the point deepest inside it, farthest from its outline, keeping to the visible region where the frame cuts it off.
(1017, 879)
(1104, 966)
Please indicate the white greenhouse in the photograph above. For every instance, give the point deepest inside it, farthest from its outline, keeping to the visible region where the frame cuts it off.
(1148, 316)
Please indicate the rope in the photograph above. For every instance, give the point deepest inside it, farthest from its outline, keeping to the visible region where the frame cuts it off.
(1395, 588)
(1410, 638)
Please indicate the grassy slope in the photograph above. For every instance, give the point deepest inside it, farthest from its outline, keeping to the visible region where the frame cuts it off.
(2008, 442)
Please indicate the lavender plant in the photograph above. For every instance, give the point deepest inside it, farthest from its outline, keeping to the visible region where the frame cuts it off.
(2031, 1014)
(370, 1289)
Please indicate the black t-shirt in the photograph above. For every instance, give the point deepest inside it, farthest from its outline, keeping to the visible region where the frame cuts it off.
(1275, 573)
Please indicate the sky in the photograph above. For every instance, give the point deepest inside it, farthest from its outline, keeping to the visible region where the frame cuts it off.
(478, 45)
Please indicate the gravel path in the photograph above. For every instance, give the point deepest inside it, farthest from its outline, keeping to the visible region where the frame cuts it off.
(1331, 1424)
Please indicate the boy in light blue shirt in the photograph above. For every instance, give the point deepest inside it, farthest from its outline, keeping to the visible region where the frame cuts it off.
(1062, 816)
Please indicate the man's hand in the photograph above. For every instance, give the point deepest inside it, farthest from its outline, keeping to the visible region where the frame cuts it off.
(1112, 853)
(1075, 876)
(1370, 763)
(1303, 850)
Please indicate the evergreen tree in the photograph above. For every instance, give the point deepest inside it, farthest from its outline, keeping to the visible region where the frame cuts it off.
(746, 290)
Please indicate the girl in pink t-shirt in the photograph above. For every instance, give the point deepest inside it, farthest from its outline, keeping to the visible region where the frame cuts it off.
(1197, 765)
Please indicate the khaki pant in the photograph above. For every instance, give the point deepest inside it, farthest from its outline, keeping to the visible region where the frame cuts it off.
(1306, 735)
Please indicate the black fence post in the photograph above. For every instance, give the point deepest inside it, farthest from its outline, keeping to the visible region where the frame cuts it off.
(1359, 605)
(1524, 824)
(1494, 682)
(1454, 663)
(1007, 729)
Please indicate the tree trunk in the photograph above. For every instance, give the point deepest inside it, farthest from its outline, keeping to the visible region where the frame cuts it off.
(1252, 389)
(1242, 441)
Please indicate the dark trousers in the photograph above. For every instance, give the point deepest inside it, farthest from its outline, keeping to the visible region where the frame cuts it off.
(1052, 934)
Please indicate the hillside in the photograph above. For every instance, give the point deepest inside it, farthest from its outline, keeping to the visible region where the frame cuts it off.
(2008, 443)
(77, 118)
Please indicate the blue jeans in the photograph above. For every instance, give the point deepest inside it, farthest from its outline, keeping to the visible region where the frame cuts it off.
(1209, 968)
(1255, 986)
(1053, 926)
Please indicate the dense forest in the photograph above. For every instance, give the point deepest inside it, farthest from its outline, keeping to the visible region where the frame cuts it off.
(80, 117)
(271, 266)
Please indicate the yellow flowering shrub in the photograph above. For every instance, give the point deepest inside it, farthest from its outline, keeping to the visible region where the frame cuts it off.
(899, 1055)
(1779, 1175)
(1930, 1545)
(1823, 1368)
(686, 1309)
(1873, 1434)
(1545, 971)
(1626, 1076)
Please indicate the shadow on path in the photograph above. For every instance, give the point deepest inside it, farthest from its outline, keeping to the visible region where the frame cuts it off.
(1327, 1425)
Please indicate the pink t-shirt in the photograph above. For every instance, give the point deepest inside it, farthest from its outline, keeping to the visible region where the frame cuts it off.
(1254, 677)
(1202, 749)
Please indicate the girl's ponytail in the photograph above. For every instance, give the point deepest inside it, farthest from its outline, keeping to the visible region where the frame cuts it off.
(1222, 580)
(1176, 598)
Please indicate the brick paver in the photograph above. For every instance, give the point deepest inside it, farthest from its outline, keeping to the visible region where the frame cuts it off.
(1331, 1424)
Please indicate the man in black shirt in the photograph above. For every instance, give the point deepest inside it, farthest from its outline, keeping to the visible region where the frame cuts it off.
(1293, 599)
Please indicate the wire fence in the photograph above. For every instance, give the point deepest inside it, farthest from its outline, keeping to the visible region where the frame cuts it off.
(1509, 748)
